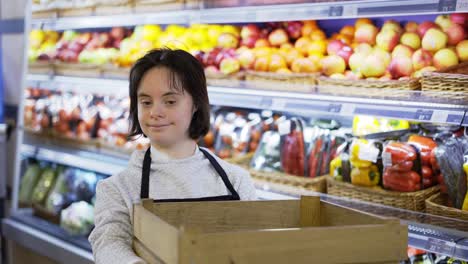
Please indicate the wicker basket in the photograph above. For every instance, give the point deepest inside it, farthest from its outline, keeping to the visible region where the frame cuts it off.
(414, 201)
(450, 83)
(145, 6)
(391, 88)
(112, 71)
(114, 7)
(281, 181)
(293, 82)
(220, 79)
(77, 69)
(436, 205)
(41, 67)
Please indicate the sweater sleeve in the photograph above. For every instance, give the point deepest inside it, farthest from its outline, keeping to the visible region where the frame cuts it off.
(243, 183)
(111, 239)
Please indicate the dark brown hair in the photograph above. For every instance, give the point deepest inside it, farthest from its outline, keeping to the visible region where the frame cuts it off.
(187, 75)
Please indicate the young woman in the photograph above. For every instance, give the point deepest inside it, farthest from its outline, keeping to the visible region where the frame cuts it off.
(169, 105)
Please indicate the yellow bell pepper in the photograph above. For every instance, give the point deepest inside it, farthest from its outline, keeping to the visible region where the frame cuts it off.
(354, 154)
(368, 176)
(465, 202)
(335, 168)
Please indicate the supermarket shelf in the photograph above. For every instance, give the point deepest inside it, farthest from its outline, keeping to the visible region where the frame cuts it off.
(263, 13)
(89, 160)
(416, 108)
(44, 243)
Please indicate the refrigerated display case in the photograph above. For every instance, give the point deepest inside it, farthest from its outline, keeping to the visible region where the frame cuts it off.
(432, 233)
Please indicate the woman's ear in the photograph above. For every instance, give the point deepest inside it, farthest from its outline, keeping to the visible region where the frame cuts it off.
(194, 109)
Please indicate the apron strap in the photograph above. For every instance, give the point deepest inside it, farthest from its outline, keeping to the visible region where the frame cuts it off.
(145, 176)
(221, 173)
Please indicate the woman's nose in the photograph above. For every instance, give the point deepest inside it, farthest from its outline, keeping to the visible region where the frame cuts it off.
(157, 111)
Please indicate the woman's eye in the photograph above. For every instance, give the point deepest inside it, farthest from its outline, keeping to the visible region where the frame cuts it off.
(145, 103)
(170, 102)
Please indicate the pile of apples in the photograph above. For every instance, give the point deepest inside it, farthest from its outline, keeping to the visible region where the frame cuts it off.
(41, 43)
(397, 52)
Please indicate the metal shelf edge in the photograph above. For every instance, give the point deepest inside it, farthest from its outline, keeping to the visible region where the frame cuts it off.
(45, 244)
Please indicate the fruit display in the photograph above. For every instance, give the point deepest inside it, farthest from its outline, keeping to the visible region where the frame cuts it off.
(42, 44)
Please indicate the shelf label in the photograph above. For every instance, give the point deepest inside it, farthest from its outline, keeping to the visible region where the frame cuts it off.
(278, 104)
(350, 11)
(335, 11)
(439, 116)
(424, 115)
(447, 5)
(347, 109)
(334, 108)
(440, 246)
(462, 5)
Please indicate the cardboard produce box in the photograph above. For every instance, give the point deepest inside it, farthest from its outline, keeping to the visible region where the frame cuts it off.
(290, 231)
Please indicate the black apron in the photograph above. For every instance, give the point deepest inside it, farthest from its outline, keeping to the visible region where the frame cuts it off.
(145, 177)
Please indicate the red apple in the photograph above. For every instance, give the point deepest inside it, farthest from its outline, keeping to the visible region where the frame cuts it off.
(444, 22)
(445, 58)
(333, 64)
(228, 40)
(211, 70)
(262, 42)
(294, 29)
(425, 26)
(229, 66)
(455, 34)
(459, 18)
(249, 42)
(421, 58)
(402, 51)
(373, 66)
(278, 37)
(401, 67)
(304, 65)
(411, 27)
(246, 58)
(387, 39)
(345, 53)
(117, 33)
(462, 50)
(276, 62)
(366, 33)
(334, 46)
(262, 63)
(250, 31)
(392, 25)
(434, 40)
(84, 38)
(411, 40)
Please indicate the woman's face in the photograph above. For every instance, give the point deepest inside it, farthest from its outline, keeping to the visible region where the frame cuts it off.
(164, 113)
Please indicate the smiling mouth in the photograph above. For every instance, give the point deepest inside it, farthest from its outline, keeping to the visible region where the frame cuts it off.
(158, 126)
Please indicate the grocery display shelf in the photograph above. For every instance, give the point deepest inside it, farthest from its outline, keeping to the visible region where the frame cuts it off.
(261, 13)
(21, 230)
(427, 232)
(95, 161)
(415, 106)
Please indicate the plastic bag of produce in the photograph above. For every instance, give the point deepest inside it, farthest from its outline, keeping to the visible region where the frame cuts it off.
(44, 185)
(292, 147)
(364, 125)
(28, 183)
(401, 167)
(267, 156)
(364, 157)
(450, 158)
(425, 145)
(78, 218)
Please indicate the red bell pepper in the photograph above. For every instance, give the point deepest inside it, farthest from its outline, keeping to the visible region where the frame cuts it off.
(400, 152)
(408, 181)
(426, 172)
(292, 154)
(422, 143)
(403, 166)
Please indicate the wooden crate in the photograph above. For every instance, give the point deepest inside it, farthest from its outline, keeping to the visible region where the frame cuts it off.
(289, 231)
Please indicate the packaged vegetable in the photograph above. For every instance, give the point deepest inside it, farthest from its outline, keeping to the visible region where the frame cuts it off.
(402, 167)
(450, 158)
(28, 183)
(426, 145)
(364, 125)
(363, 157)
(78, 218)
(267, 156)
(292, 147)
(44, 185)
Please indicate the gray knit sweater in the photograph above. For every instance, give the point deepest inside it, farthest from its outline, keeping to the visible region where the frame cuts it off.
(191, 177)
